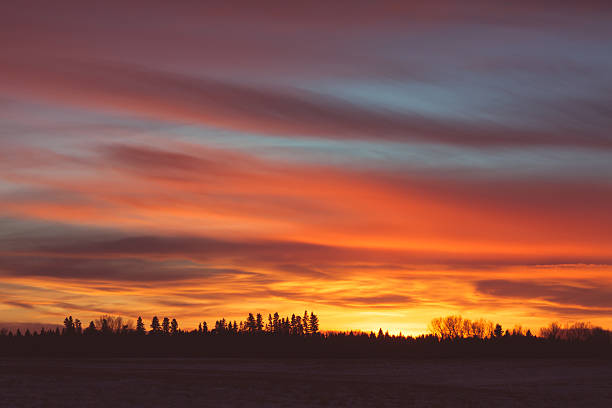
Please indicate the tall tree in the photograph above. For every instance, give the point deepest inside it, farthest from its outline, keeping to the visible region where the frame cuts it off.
(105, 328)
(498, 331)
(305, 322)
(68, 326)
(259, 323)
(293, 324)
(166, 325)
(155, 327)
(298, 325)
(140, 327)
(174, 326)
(313, 323)
(250, 323)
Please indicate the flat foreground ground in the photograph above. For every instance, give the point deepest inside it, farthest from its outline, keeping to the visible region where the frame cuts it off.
(304, 383)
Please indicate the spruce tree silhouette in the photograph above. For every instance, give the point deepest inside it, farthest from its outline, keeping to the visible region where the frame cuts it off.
(166, 325)
(314, 323)
(251, 323)
(174, 326)
(91, 329)
(140, 327)
(305, 322)
(155, 327)
(298, 325)
(498, 331)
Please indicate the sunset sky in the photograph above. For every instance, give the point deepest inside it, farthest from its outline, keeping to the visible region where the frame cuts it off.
(381, 163)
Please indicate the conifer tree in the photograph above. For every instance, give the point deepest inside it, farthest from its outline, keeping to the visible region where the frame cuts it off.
(174, 327)
(305, 322)
(314, 323)
(155, 327)
(166, 325)
(250, 323)
(91, 329)
(140, 327)
(498, 331)
(298, 325)
(293, 324)
(68, 326)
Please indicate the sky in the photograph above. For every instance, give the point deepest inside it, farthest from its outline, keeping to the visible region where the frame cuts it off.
(380, 163)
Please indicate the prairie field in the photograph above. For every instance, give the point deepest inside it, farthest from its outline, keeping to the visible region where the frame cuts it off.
(253, 382)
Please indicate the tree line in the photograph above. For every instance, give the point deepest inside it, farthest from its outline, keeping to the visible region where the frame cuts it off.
(299, 336)
(296, 325)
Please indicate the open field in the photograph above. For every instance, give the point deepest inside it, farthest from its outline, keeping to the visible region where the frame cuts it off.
(304, 383)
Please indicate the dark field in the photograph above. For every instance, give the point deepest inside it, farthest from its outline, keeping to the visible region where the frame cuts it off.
(305, 383)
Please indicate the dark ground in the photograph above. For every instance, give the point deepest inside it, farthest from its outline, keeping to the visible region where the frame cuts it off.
(305, 383)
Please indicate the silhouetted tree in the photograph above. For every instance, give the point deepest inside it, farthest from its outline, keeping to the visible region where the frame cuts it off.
(78, 327)
(259, 323)
(251, 324)
(112, 324)
(221, 326)
(313, 324)
(498, 331)
(155, 327)
(105, 328)
(456, 327)
(298, 325)
(204, 328)
(305, 323)
(166, 325)
(68, 326)
(91, 329)
(174, 326)
(140, 327)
